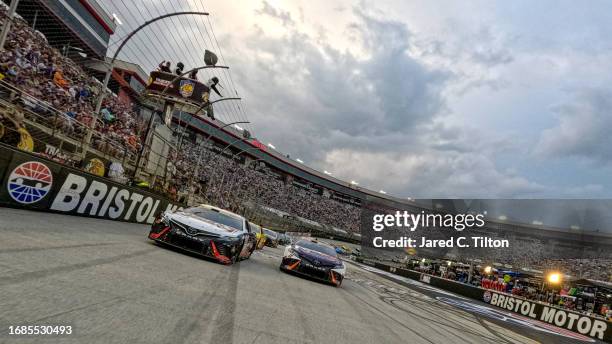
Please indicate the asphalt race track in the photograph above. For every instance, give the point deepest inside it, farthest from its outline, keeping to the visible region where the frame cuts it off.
(113, 285)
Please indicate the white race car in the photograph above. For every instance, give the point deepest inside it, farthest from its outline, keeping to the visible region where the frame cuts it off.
(208, 231)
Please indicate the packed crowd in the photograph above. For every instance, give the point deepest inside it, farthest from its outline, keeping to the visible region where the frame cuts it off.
(533, 253)
(29, 63)
(589, 268)
(230, 184)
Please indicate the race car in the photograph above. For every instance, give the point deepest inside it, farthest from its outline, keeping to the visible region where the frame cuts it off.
(284, 239)
(271, 237)
(259, 235)
(208, 231)
(314, 259)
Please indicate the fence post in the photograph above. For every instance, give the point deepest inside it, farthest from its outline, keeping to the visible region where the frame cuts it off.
(54, 124)
(159, 156)
(125, 154)
(7, 24)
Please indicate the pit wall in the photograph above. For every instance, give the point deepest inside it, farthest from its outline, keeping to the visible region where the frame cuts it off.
(35, 183)
(586, 325)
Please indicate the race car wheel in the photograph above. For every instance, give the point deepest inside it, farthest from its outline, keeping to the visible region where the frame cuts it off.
(236, 255)
(252, 250)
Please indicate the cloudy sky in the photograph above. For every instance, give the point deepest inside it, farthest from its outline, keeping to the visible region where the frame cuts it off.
(484, 99)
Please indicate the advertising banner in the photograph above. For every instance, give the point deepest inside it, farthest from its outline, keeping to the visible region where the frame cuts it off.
(576, 322)
(593, 327)
(182, 88)
(31, 182)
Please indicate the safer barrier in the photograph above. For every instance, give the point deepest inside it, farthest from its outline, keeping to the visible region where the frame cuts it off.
(32, 182)
(573, 321)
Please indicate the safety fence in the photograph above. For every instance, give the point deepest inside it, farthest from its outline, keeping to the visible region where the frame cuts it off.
(35, 126)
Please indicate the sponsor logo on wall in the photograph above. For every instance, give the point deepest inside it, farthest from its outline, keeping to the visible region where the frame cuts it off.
(186, 88)
(91, 197)
(513, 318)
(518, 311)
(30, 182)
(569, 320)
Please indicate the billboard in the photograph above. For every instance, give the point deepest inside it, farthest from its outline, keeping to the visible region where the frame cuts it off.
(32, 182)
(180, 88)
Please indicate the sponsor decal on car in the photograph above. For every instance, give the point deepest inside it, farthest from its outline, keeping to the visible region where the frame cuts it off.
(190, 230)
(30, 182)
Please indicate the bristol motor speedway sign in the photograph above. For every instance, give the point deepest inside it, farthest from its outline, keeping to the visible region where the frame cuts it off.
(30, 182)
(513, 309)
(583, 324)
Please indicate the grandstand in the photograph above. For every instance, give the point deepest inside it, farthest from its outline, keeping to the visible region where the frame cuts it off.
(72, 27)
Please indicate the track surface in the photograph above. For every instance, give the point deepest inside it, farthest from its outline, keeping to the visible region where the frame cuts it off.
(114, 286)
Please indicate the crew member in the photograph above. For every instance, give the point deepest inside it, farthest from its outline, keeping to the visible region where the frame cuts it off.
(179, 68)
(164, 66)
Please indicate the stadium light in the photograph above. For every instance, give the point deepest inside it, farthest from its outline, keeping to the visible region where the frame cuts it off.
(271, 145)
(537, 223)
(383, 192)
(326, 172)
(116, 18)
(488, 270)
(554, 278)
(503, 217)
(354, 182)
(299, 160)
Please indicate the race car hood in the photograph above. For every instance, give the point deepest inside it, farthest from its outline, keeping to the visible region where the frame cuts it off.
(315, 256)
(204, 225)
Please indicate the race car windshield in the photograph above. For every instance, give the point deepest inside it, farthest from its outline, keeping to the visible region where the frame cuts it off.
(215, 217)
(270, 233)
(330, 251)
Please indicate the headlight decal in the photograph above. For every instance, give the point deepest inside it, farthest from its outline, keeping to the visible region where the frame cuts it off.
(293, 265)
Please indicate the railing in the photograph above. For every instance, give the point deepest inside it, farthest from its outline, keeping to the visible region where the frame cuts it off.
(34, 125)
